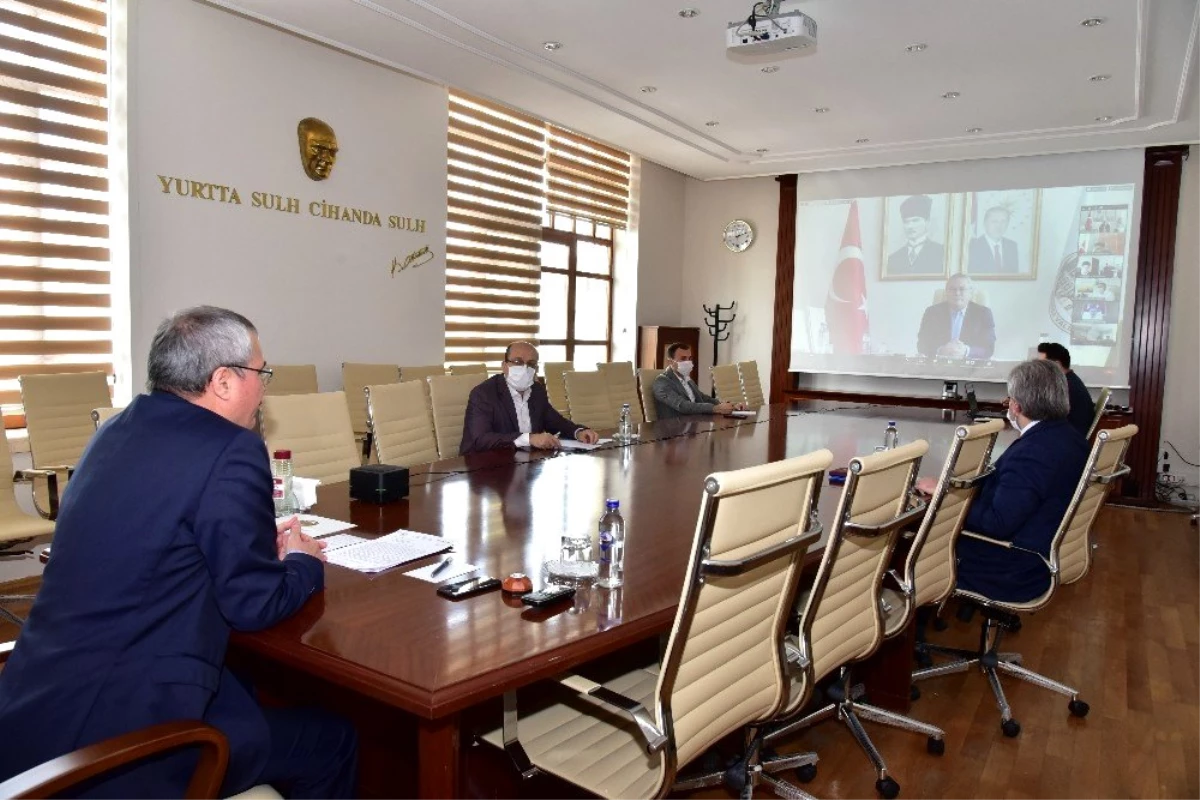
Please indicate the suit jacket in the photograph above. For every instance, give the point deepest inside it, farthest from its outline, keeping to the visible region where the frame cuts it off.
(165, 543)
(491, 418)
(930, 261)
(671, 401)
(1083, 408)
(981, 259)
(978, 330)
(1022, 502)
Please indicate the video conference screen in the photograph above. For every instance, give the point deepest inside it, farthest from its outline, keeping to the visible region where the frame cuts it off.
(965, 285)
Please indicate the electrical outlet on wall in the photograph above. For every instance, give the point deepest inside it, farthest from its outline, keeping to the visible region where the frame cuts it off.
(1166, 462)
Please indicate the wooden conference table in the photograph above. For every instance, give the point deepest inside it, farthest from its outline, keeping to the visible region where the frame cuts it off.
(389, 639)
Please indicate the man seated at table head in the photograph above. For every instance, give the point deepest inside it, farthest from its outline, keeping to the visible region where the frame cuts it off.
(1083, 408)
(511, 409)
(166, 541)
(1024, 500)
(677, 395)
(957, 327)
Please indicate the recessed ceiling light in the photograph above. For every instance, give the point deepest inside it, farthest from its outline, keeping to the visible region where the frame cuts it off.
(821, 110)
(919, 47)
(770, 69)
(648, 89)
(762, 150)
(688, 13)
(1100, 78)
(1105, 118)
(951, 96)
(863, 140)
(712, 123)
(974, 130)
(552, 46)
(1093, 22)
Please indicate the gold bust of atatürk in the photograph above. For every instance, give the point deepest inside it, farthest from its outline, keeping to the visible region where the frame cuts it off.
(318, 148)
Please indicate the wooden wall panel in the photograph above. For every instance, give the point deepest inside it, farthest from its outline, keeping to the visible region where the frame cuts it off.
(785, 268)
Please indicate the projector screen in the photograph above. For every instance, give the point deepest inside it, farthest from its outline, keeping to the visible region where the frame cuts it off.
(963, 285)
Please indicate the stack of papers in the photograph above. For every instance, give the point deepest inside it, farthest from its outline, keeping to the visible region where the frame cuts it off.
(571, 444)
(376, 555)
(316, 527)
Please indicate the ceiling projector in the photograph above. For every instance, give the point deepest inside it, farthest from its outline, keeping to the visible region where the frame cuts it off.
(763, 34)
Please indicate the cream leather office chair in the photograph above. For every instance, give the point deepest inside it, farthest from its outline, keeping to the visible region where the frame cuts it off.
(587, 397)
(316, 428)
(556, 384)
(449, 395)
(1101, 403)
(622, 387)
(104, 414)
(728, 384)
(355, 378)
(646, 379)
(1070, 558)
(421, 373)
(724, 666)
(468, 369)
(58, 419)
(843, 613)
(292, 379)
(751, 384)
(17, 527)
(401, 424)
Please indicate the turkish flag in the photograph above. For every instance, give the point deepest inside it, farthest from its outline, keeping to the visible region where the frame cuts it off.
(846, 303)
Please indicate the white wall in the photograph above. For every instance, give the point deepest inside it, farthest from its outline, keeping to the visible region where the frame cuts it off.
(660, 228)
(214, 97)
(1181, 407)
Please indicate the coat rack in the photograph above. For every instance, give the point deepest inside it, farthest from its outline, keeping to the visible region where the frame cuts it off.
(718, 327)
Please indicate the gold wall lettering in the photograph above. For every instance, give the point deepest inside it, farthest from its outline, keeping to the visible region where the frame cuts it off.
(185, 187)
(275, 202)
(344, 213)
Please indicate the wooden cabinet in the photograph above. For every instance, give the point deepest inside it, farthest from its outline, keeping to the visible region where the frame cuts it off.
(653, 340)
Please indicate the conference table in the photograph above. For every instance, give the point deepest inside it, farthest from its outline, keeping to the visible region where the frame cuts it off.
(388, 640)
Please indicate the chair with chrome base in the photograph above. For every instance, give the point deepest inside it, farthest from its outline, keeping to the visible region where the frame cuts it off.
(840, 618)
(1069, 560)
(724, 667)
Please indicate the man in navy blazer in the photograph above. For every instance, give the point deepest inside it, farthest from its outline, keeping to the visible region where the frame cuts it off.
(1025, 499)
(512, 410)
(1083, 407)
(957, 327)
(993, 253)
(166, 541)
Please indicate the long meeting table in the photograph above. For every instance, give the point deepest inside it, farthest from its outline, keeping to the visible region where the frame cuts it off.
(388, 639)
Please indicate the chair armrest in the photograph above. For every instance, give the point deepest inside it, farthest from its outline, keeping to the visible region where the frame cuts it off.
(988, 539)
(51, 476)
(654, 738)
(711, 566)
(1104, 480)
(967, 483)
(795, 654)
(908, 516)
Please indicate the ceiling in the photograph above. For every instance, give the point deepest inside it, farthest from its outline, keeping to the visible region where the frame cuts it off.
(1022, 70)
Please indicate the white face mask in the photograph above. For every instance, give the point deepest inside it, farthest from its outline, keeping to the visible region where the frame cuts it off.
(684, 367)
(1012, 420)
(519, 378)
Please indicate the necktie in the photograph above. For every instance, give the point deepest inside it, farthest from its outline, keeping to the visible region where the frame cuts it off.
(912, 255)
(999, 263)
(956, 325)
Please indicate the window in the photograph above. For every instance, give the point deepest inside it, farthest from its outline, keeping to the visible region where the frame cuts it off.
(55, 298)
(576, 312)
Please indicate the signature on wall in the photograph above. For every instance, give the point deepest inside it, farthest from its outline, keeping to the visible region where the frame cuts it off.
(414, 259)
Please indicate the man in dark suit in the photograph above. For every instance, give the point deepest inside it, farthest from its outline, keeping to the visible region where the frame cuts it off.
(166, 542)
(1024, 500)
(512, 410)
(993, 253)
(1083, 408)
(920, 255)
(957, 327)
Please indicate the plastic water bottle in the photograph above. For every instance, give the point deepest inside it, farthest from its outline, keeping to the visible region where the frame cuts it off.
(608, 613)
(612, 546)
(625, 425)
(891, 436)
(281, 483)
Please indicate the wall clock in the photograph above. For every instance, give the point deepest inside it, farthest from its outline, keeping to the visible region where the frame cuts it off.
(738, 235)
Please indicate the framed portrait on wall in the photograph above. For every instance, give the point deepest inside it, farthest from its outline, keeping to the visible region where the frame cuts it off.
(1000, 237)
(916, 229)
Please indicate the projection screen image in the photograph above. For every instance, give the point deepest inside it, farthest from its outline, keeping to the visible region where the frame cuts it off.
(964, 285)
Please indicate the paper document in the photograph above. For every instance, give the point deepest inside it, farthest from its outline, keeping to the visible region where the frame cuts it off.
(453, 570)
(571, 444)
(337, 541)
(317, 527)
(376, 555)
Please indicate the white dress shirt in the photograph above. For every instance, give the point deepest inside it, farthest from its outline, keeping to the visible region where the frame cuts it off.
(687, 386)
(521, 403)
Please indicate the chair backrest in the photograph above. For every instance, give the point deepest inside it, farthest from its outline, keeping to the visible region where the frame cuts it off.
(401, 424)
(104, 414)
(421, 373)
(355, 377)
(724, 666)
(645, 389)
(448, 395)
(728, 384)
(292, 379)
(1101, 402)
(587, 397)
(468, 369)
(58, 414)
(556, 385)
(622, 386)
(841, 621)
(316, 428)
(752, 384)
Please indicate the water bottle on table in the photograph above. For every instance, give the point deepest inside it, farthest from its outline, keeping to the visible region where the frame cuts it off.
(891, 436)
(625, 425)
(612, 546)
(281, 483)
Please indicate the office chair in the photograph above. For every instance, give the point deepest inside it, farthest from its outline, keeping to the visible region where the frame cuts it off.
(421, 373)
(356, 377)
(587, 396)
(728, 384)
(622, 388)
(292, 379)
(104, 414)
(751, 385)
(58, 420)
(724, 666)
(1101, 404)
(646, 379)
(468, 369)
(448, 395)
(1069, 560)
(556, 384)
(316, 428)
(401, 424)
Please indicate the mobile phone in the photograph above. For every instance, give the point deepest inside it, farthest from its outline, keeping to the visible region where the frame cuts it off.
(468, 587)
(837, 476)
(548, 596)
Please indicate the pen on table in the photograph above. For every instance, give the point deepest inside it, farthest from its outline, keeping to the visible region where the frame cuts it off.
(445, 563)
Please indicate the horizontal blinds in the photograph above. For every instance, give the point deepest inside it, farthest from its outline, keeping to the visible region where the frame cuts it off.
(55, 299)
(587, 179)
(495, 167)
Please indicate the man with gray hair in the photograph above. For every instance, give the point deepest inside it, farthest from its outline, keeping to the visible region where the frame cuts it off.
(1025, 499)
(166, 541)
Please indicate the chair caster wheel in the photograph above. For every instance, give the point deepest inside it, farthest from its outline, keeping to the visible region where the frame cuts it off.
(1079, 708)
(806, 773)
(940, 624)
(887, 788)
(936, 747)
(914, 693)
(1011, 728)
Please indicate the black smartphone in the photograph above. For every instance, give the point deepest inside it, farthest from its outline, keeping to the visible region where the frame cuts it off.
(837, 476)
(548, 596)
(468, 587)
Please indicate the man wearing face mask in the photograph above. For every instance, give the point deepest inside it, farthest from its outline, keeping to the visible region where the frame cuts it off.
(677, 395)
(512, 410)
(1024, 500)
